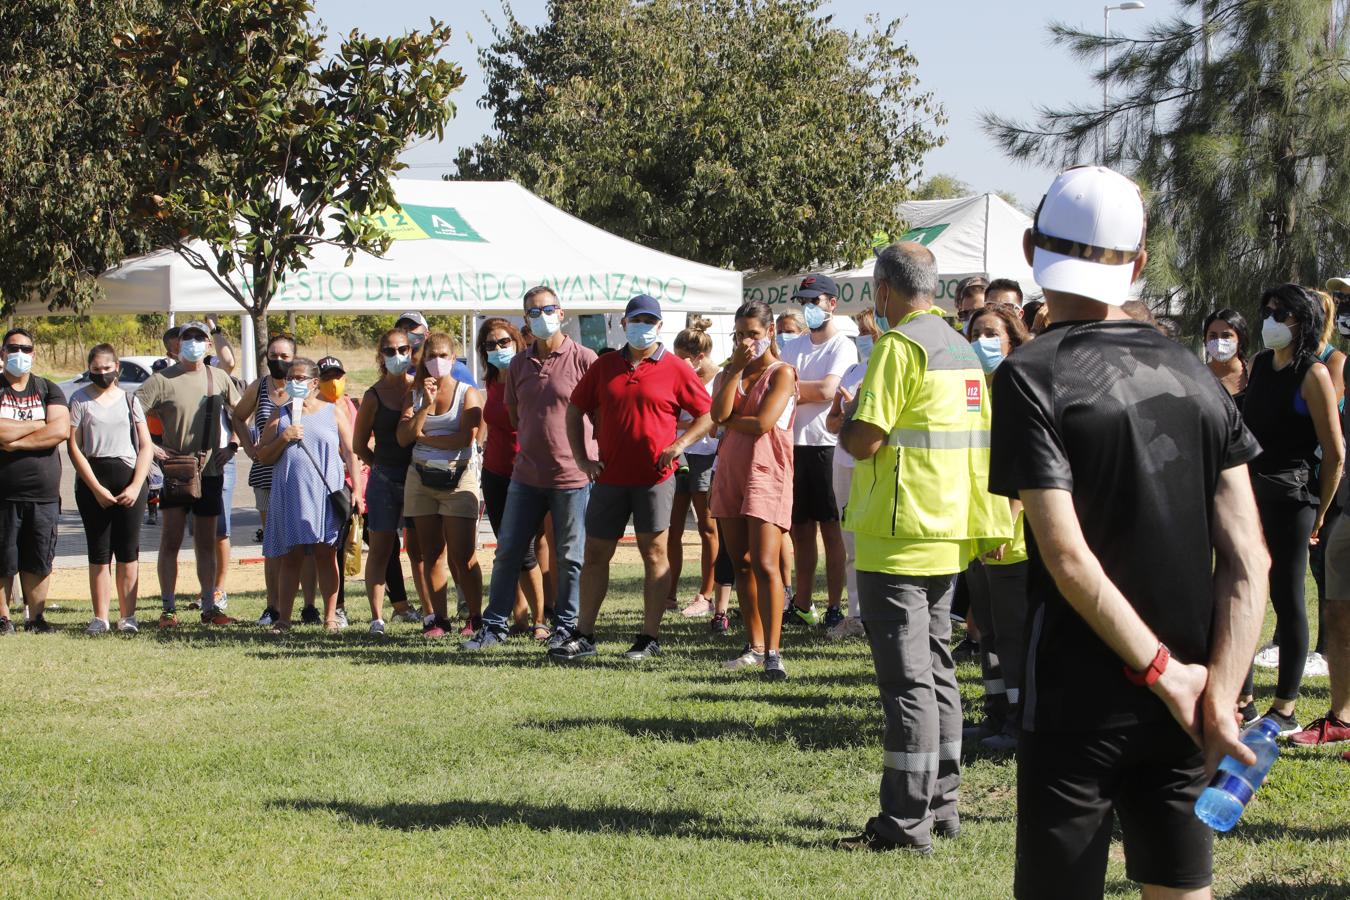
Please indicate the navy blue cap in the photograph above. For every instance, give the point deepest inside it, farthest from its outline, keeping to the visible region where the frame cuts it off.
(643, 305)
(813, 286)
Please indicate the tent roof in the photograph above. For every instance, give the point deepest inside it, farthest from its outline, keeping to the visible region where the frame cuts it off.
(460, 246)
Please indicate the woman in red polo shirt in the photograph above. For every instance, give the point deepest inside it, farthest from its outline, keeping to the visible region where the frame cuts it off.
(498, 343)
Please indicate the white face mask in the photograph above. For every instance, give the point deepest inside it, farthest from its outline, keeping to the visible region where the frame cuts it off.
(546, 326)
(1221, 349)
(1276, 335)
(1343, 324)
(759, 348)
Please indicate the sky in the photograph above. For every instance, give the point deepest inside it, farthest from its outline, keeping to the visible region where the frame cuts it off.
(974, 55)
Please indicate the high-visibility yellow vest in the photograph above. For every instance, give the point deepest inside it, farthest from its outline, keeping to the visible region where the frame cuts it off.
(930, 480)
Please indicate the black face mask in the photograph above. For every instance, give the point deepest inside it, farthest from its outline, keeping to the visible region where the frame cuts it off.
(278, 368)
(103, 379)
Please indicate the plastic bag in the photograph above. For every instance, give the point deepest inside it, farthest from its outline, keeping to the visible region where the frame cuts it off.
(351, 553)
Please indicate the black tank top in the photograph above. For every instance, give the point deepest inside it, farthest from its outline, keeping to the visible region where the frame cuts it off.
(1281, 423)
(388, 452)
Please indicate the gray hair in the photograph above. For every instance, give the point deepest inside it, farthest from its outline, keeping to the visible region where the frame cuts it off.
(909, 268)
(302, 362)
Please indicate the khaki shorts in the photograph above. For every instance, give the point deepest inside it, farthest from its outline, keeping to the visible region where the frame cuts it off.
(1337, 559)
(463, 502)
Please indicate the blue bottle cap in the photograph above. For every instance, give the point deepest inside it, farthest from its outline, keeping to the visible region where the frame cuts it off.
(1268, 728)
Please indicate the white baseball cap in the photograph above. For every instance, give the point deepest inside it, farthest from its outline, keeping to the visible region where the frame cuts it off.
(1089, 231)
(1339, 285)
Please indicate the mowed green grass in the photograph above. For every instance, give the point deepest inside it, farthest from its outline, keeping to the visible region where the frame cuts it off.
(227, 763)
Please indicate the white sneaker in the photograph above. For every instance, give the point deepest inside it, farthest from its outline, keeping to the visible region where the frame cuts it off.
(747, 659)
(698, 607)
(1268, 657)
(267, 619)
(96, 626)
(377, 627)
(850, 627)
(412, 616)
(341, 616)
(1315, 666)
(129, 626)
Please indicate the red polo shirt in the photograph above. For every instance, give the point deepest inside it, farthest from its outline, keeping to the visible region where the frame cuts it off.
(637, 408)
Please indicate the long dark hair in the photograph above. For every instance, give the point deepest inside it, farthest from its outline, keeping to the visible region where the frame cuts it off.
(490, 373)
(1234, 320)
(1306, 308)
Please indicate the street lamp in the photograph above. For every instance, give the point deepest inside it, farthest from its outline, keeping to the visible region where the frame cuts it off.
(1128, 5)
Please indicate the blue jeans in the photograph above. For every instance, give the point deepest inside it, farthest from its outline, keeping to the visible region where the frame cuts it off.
(526, 507)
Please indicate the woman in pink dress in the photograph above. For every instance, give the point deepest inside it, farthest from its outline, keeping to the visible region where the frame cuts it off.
(754, 400)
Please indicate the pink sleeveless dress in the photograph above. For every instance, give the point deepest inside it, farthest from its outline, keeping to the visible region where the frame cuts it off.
(754, 474)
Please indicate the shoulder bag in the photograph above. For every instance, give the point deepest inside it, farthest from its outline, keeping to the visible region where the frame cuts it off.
(340, 500)
(183, 471)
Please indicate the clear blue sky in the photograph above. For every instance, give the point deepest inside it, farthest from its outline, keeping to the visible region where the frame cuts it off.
(975, 55)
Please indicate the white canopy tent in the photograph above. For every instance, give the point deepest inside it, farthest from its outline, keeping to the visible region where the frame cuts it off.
(980, 235)
(460, 247)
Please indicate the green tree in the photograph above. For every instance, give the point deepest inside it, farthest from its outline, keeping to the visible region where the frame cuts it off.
(745, 133)
(942, 187)
(264, 149)
(1233, 117)
(66, 173)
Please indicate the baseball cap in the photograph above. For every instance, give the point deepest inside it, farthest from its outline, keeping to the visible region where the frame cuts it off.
(969, 282)
(413, 316)
(813, 286)
(1089, 230)
(330, 365)
(194, 326)
(1339, 285)
(642, 304)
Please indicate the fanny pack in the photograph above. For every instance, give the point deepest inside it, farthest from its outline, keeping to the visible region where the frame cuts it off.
(438, 479)
(183, 471)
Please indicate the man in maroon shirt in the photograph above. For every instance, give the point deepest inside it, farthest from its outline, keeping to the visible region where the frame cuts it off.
(635, 396)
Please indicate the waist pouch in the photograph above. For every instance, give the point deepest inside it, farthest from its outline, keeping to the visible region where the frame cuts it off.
(438, 479)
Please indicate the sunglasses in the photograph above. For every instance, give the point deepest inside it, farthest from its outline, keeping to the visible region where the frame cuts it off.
(542, 311)
(501, 344)
(1279, 313)
(18, 348)
(391, 352)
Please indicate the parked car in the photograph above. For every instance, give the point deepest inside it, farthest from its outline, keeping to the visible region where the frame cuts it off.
(133, 372)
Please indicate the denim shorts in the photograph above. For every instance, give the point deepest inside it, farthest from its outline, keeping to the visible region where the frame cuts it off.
(384, 498)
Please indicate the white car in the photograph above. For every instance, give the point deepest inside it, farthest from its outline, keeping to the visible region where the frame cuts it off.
(133, 372)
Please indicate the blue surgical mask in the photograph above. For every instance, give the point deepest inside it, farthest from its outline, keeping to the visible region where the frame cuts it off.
(815, 316)
(192, 351)
(397, 365)
(501, 358)
(990, 352)
(865, 344)
(641, 335)
(883, 323)
(546, 326)
(297, 390)
(782, 340)
(19, 364)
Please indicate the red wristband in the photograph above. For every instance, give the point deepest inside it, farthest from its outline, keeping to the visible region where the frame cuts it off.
(1154, 671)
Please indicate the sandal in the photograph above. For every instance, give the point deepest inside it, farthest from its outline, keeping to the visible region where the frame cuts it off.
(331, 626)
(279, 628)
(542, 632)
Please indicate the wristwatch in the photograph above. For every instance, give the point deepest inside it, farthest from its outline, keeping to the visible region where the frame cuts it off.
(1154, 671)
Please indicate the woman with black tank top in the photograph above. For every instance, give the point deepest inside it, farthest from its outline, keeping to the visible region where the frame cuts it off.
(378, 417)
(1290, 407)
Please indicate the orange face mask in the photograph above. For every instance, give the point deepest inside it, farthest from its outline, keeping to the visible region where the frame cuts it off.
(333, 389)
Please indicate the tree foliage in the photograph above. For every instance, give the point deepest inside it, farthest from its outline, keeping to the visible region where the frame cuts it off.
(66, 172)
(263, 148)
(745, 133)
(1240, 147)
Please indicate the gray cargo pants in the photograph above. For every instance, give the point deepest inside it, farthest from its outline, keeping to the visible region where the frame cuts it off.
(909, 627)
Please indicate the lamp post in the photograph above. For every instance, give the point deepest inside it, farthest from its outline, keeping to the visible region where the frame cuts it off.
(1106, 56)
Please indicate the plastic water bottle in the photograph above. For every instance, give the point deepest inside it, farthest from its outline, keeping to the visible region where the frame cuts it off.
(1234, 784)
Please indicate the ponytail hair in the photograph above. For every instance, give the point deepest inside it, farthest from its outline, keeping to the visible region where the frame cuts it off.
(695, 339)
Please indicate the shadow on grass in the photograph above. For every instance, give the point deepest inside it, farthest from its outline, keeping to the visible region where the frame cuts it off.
(1259, 832)
(808, 731)
(688, 823)
(1267, 890)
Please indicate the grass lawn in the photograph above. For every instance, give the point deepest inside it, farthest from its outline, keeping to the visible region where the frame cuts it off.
(225, 763)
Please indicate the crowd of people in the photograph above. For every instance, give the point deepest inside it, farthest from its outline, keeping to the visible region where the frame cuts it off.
(1104, 511)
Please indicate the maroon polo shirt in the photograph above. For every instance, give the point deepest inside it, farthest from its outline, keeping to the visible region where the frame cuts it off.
(638, 407)
(540, 389)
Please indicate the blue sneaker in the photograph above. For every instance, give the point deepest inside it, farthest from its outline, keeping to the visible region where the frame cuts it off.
(561, 635)
(833, 616)
(574, 648)
(486, 638)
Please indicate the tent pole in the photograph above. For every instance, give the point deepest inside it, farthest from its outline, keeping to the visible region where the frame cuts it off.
(987, 204)
(248, 351)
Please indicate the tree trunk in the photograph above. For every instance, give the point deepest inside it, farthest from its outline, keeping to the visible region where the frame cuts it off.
(260, 336)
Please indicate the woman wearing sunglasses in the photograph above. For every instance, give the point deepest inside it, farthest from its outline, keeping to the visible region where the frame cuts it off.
(378, 417)
(1290, 407)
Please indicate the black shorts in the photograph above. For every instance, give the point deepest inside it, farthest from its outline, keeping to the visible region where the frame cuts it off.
(1069, 784)
(28, 536)
(813, 485)
(113, 531)
(211, 502)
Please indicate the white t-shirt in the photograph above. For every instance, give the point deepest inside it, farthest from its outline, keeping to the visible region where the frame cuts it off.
(849, 382)
(704, 446)
(815, 362)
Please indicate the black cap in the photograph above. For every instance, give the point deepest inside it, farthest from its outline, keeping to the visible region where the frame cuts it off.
(813, 286)
(329, 366)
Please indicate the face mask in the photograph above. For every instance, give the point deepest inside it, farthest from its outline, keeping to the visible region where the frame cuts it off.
(501, 358)
(278, 368)
(397, 365)
(1343, 325)
(103, 379)
(332, 390)
(884, 324)
(416, 340)
(18, 363)
(192, 351)
(815, 316)
(1221, 349)
(759, 348)
(439, 366)
(641, 335)
(546, 326)
(1276, 335)
(865, 344)
(297, 390)
(990, 352)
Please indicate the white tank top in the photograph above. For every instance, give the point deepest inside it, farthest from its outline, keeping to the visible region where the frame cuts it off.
(443, 425)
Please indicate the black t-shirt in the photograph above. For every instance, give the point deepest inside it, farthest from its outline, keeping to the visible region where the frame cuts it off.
(1277, 415)
(30, 475)
(1138, 430)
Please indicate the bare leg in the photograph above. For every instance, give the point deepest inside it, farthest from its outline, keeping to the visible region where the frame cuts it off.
(735, 532)
(173, 523)
(1338, 655)
(326, 573)
(785, 564)
(419, 573)
(461, 538)
(222, 563)
(35, 591)
(547, 554)
(679, 511)
(804, 544)
(656, 580)
(100, 589)
(836, 559)
(128, 586)
(382, 544)
(707, 535)
(532, 587)
(204, 548)
(288, 583)
(308, 580)
(594, 581)
(432, 542)
(764, 540)
(1158, 892)
(6, 591)
(722, 599)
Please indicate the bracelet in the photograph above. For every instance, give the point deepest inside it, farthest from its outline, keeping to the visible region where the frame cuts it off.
(1153, 671)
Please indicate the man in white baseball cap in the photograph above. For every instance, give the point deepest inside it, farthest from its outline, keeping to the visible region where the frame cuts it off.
(1148, 572)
